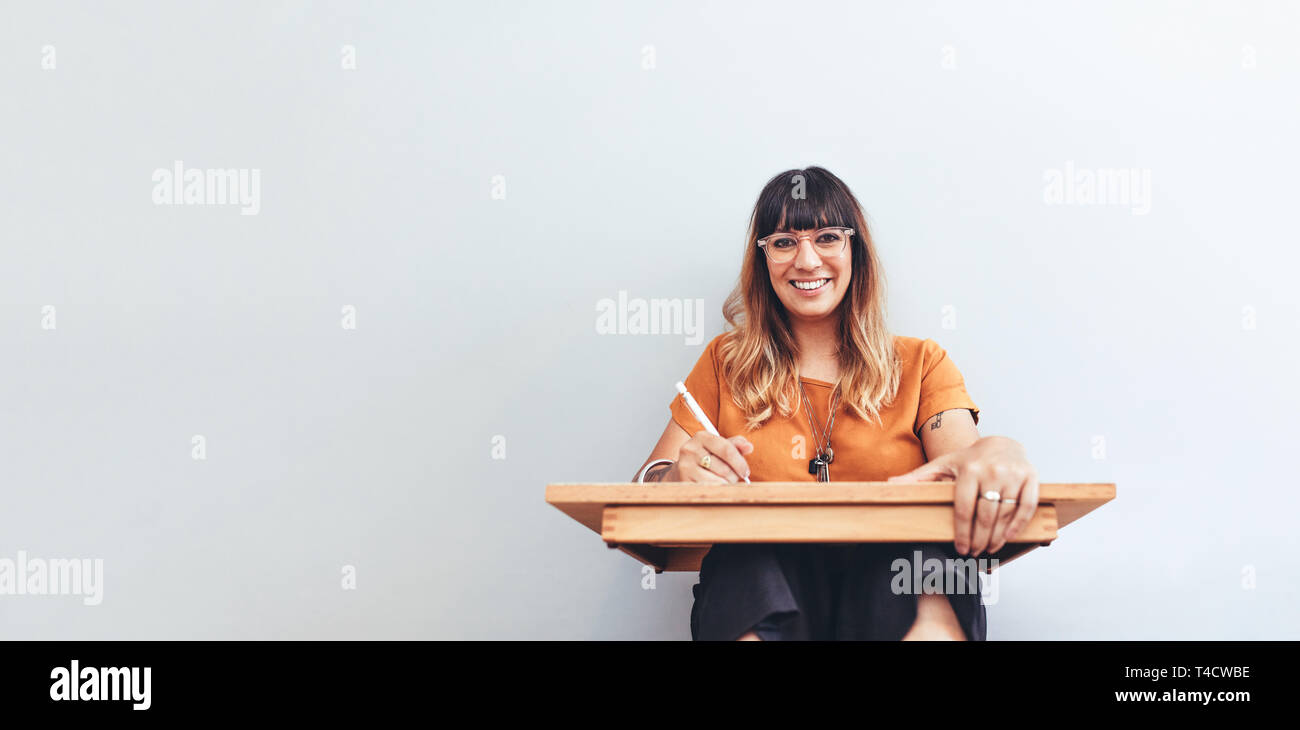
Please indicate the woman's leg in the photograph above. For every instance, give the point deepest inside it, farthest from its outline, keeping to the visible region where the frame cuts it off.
(935, 620)
(742, 586)
(751, 636)
(769, 592)
(883, 600)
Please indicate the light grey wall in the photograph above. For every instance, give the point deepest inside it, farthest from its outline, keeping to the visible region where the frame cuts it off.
(632, 138)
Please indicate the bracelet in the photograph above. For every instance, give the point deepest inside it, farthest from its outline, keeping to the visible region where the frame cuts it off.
(640, 477)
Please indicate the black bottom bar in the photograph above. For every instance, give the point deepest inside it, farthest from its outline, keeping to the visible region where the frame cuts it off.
(996, 680)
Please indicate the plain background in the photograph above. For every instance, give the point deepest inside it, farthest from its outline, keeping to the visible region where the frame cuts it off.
(476, 316)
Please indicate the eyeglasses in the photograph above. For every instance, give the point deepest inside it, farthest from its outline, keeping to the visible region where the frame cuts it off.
(782, 247)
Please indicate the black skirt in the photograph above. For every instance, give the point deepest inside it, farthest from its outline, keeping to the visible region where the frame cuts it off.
(800, 591)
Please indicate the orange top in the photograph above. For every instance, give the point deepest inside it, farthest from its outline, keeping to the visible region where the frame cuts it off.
(864, 452)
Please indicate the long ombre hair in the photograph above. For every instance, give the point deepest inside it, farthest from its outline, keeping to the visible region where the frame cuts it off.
(759, 354)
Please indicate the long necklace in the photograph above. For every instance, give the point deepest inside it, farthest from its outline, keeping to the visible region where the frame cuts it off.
(820, 464)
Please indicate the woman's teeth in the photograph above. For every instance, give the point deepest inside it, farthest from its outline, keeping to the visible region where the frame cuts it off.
(810, 285)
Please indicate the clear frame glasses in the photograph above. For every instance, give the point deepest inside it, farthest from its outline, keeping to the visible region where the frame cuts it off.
(782, 247)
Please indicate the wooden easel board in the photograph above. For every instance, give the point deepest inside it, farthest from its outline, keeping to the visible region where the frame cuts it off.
(671, 525)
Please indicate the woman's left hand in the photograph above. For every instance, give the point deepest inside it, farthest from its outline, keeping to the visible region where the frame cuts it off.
(994, 463)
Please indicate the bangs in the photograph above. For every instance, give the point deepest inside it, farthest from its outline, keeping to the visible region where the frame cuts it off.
(824, 204)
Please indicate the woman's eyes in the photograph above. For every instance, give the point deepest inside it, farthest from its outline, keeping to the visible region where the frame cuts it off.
(824, 239)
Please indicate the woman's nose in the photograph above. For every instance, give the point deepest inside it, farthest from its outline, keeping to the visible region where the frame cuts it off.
(807, 258)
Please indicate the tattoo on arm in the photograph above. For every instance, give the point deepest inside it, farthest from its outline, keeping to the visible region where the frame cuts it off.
(938, 421)
(657, 473)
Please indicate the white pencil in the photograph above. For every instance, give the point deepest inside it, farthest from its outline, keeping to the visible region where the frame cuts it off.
(699, 414)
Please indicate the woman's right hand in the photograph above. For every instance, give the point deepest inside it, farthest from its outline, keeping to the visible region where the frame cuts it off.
(726, 456)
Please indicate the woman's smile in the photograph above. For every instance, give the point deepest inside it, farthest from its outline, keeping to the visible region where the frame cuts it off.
(811, 287)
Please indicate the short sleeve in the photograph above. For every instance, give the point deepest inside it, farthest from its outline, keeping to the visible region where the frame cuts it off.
(942, 386)
(703, 385)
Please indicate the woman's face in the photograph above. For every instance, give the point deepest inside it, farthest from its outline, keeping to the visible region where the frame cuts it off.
(808, 268)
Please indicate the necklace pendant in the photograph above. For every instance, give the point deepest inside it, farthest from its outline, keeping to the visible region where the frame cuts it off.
(830, 454)
(815, 465)
(824, 474)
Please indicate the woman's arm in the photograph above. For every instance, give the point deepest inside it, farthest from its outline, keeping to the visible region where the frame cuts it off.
(978, 466)
(669, 446)
(725, 457)
(948, 431)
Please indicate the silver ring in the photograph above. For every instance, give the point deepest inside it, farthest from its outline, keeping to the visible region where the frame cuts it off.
(992, 496)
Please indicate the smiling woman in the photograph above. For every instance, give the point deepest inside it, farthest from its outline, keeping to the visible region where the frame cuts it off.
(806, 382)
(810, 301)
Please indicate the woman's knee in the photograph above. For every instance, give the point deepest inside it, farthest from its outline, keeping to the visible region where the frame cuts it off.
(935, 620)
